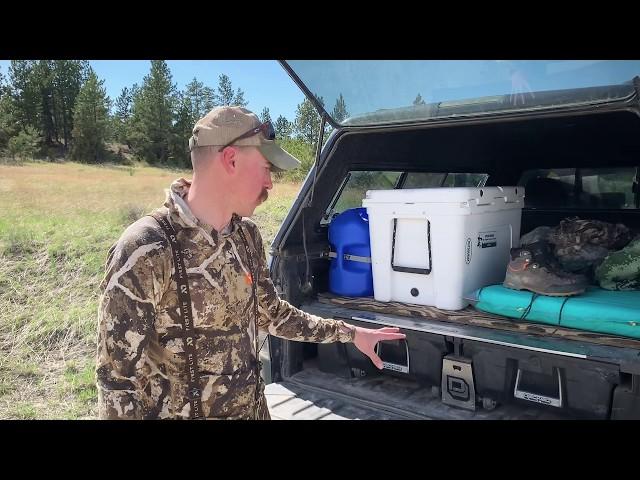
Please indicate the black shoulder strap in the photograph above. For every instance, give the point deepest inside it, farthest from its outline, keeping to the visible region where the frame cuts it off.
(194, 391)
(254, 279)
(253, 272)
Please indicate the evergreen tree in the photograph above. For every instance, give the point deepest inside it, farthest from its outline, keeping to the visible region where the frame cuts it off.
(185, 119)
(43, 77)
(25, 93)
(25, 144)
(67, 77)
(202, 99)
(265, 116)
(239, 100)
(191, 105)
(43, 95)
(340, 112)
(283, 128)
(304, 152)
(122, 115)
(152, 115)
(225, 91)
(8, 125)
(3, 85)
(90, 121)
(307, 122)
(225, 95)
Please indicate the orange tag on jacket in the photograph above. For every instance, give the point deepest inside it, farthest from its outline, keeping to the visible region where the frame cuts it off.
(248, 278)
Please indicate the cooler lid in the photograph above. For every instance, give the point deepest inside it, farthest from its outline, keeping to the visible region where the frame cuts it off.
(484, 195)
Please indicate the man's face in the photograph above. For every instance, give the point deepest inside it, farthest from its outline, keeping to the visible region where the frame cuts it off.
(253, 181)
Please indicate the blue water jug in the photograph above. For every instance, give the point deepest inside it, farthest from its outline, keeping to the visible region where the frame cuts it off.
(349, 236)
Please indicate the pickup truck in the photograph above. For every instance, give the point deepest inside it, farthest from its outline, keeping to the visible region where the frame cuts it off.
(414, 124)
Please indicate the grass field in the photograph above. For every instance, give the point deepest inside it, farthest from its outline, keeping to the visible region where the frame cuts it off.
(57, 222)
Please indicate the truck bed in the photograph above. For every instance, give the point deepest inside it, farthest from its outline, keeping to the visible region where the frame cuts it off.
(315, 395)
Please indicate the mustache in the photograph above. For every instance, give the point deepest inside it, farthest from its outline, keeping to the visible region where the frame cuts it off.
(264, 195)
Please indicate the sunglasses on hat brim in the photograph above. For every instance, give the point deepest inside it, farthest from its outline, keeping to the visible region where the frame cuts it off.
(265, 128)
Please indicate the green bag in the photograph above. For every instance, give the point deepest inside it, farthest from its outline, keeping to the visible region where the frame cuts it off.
(621, 270)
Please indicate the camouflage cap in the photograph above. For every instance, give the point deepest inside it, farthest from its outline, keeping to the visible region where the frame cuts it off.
(224, 124)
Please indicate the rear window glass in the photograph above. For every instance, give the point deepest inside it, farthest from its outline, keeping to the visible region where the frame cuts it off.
(581, 188)
(355, 186)
(425, 180)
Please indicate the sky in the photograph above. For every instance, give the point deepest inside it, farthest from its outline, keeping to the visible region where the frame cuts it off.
(264, 82)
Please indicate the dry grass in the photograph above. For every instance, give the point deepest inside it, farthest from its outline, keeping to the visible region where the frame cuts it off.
(72, 188)
(57, 223)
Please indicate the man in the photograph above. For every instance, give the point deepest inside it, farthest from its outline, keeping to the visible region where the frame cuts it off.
(145, 368)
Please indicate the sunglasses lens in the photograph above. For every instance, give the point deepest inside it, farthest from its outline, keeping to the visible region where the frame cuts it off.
(269, 131)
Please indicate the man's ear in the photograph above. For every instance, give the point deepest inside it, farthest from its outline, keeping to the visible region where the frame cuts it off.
(229, 158)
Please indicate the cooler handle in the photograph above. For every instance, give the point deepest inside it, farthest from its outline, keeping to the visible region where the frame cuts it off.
(537, 397)
(420, 271)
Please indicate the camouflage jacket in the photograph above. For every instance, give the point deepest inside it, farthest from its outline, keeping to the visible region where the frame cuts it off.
(140, 365)
(621, 269)
(581, 244)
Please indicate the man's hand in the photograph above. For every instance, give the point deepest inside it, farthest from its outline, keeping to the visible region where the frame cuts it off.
(366, 339)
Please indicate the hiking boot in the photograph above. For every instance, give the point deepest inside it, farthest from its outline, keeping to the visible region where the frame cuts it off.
(534, 268)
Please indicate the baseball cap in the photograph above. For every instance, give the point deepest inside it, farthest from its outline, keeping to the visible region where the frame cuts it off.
(224, 124)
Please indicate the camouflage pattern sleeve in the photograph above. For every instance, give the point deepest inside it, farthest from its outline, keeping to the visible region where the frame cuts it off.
(129, 381)
(282, 319)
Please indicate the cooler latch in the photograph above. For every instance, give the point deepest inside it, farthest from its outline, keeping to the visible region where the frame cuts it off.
(353, 258)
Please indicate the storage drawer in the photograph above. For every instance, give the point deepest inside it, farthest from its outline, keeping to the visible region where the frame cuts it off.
(418, 357)
(577, 387)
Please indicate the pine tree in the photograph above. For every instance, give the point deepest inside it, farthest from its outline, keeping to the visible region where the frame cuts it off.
(90, 121)
(43, 77)
(265, 116)
(307, 122)
(304, 152)
(8, 125)
(25, 144)
(43, 95)
(239, 100)
(152, 114)
(123, 104)
(67, 78)
(209, 97)
(225, 95)
(202, 99)
(340, 112)
(191, 105)
(122, 115)
(283, 128)
(225, 91)
(25, 93)
(418, 100)
(185, 119)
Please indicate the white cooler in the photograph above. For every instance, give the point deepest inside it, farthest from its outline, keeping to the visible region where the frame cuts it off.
(434, 246)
